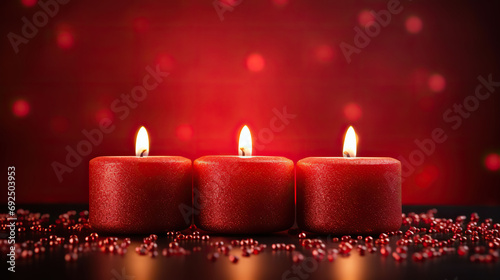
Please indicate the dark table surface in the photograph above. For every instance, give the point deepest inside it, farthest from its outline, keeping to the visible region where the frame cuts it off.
(267, 265)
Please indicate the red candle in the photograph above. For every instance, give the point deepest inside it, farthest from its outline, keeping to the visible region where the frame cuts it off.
(139, 194)
(243, 194)
(349, 195)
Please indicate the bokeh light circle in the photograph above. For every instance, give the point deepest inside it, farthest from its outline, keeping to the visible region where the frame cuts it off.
(492, 162)
(352, 111)
(165, 61)
(436, 83)
(21, 108)
(184, 132)
(280, 3)
(141, 24)
(65, 39)
(29, 3)
(427, 177)
(255, 62)
(324, 53)
(366, 18)
(413, 24)
(104, 113)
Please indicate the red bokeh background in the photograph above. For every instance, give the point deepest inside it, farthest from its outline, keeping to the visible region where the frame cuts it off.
(263, 56)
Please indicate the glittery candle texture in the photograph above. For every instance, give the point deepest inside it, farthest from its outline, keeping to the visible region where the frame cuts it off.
(349, 195)
(243, 195)
(140, 194)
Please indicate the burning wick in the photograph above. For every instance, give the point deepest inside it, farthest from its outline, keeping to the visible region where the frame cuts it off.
(346, 154)
(142, 153)
(242, 151)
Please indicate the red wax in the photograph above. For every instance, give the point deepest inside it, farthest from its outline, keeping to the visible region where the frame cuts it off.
(139, 194)
(349, 195)
(243, 195)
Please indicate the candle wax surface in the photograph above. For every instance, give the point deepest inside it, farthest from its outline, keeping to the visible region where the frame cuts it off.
(140, 194)
(349, 195)
(243, 195)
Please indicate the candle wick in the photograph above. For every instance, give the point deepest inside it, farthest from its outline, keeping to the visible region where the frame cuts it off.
(142, 153)
(242, 151)
(346, 153)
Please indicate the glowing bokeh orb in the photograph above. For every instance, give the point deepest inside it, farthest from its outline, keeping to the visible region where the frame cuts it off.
(230, 3)
(352, 111)
(324, 53)
(165, 61)
(65, 39)
(103, 114)
(280, 3)
(413, 24)
(427, 177)
(436, 83)
(21, 108)
(29, 3)
(255, 62)
(184, 132)
(366, 18)
(141, 24)
(492, 162)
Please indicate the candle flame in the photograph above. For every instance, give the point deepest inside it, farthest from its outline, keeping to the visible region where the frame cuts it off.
(350, 143)
(142, 143)
(245, 142)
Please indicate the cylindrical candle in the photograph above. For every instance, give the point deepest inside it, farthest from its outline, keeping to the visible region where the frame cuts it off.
(243, 194)
(140, 194)
(349, 195)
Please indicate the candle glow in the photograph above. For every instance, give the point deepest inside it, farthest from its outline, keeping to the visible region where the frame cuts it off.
(245, 142)
(142, 143)
(349, 143)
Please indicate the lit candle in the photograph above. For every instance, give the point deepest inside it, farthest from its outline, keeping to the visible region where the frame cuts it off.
(243, 194)
(349, 194)
(139, 194)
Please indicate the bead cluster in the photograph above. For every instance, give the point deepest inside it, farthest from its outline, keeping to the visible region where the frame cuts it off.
(424, 237)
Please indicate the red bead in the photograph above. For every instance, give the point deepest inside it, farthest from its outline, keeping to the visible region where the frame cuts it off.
(297, 257)
(233, 259)
(213, 256)
(290, 247)
(318, 254)
(417, 257)
(153, 254)
(385, 251)
(479, 249)
(462, 250)
(476, 258)
(401, 250)
(361, 249)
(246, 253)
(70, 257)
(398, 257)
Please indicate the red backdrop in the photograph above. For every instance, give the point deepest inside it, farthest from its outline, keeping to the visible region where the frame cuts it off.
(240, 63)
